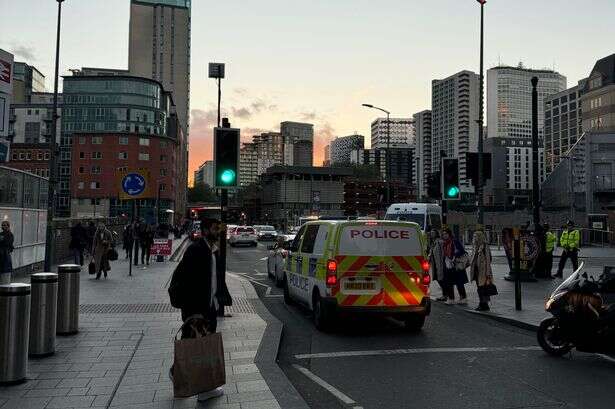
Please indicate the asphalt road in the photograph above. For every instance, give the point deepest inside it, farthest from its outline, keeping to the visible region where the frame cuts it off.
(457, 361)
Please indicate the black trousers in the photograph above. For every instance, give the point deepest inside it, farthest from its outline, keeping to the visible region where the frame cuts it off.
(573, 255)
(145, 253)
(548, 263)
(136, 252)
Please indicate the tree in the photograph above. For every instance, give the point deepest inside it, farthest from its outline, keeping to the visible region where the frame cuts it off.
(201, 193)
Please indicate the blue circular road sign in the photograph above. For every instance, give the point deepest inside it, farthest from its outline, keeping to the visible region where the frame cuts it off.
(133, 184)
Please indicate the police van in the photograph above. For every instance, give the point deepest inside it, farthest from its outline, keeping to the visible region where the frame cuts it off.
(427, 215)
(336, 267)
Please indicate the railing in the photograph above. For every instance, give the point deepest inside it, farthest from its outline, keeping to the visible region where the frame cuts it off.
(589, 237)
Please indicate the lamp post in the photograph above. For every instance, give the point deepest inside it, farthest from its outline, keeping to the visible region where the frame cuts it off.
(479, 188)
(387, 170)
(51, 193)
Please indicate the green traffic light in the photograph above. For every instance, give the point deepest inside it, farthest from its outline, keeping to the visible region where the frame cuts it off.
(228, 176)
(452, 191)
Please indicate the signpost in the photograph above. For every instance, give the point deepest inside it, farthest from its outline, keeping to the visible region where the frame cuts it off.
(161, 247)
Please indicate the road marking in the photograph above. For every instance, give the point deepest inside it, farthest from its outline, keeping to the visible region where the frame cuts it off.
(413, 351)
(606, 357)
(263, 259)
(321, 382)
(269, 295)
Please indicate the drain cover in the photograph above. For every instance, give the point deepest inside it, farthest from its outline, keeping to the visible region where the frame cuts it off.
(240, 306)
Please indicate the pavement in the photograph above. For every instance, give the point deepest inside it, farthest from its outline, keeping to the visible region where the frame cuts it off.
(122, 354)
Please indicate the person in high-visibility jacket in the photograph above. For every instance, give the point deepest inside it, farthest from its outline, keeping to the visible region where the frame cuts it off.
(550, 243)
(570, 241)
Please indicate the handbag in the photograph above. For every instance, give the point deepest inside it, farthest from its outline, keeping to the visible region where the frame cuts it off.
(488, 290)
(198, 365)
(92, 267)
(462, 262)
(112, 254)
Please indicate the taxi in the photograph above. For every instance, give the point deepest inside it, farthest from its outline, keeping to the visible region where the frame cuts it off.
(367, 266)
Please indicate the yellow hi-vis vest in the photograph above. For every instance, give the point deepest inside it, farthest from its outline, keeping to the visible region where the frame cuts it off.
(570, 239)
(551, 240)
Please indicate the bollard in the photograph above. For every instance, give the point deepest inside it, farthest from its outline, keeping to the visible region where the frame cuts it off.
(68, 299)
(14, 327)
(43, 314)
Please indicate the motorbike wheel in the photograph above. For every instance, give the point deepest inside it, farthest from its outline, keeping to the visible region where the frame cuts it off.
(549, 340)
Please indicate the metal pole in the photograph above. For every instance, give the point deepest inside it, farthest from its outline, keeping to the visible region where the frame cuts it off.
(535, 167)
(132, 226)
(219, 98)
(571, 182)
(388, 160)
(517, 268)
(479, 188)
(49, 248)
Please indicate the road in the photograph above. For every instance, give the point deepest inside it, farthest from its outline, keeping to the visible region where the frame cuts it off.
(457, 361)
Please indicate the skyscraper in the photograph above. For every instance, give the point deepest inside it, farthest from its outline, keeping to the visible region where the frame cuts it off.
(400, 129)
(298, 143)
(422, 129)
(454, 129)
(340, 148)
(159, 48)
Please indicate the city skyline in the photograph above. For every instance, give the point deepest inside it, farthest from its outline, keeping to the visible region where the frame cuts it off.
(262, 90)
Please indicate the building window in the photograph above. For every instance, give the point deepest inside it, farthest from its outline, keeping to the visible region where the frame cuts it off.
(63, 201)
(39, 156)
(97, 140)
(82, 140)
(163, 187)
(122, 155)
(14, 156)
(97, 155)
(64, 170)
(164, 144)
(163, 158)
(123, 140)
(163, 172)
(95, 185)
(144, 141)
(81, 185)
(81, 169)
(96, 170)
(122, 169)
(95, 202)
(81, 155)
(46, 155)
(143, 156)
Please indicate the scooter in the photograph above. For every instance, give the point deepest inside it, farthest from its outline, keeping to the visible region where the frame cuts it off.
(583, 310)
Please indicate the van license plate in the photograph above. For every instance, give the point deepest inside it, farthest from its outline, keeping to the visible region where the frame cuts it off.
(360, 285)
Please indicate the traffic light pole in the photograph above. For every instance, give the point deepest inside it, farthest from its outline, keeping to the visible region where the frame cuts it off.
(535, 165)
(223, 219)
(479, 188)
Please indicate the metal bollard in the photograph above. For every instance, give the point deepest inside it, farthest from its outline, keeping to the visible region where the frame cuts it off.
(68, 299)
(14, 327)
(43, 314)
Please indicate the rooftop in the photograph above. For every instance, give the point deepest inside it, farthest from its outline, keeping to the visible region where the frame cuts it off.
(309, 170)
(172, 3)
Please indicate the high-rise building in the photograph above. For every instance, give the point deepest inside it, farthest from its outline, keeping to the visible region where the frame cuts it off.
(340, 148)
(327, 156)
(509, 99)
(422, 138)
(298, 143)
(598, 97)
(454, 110)
(269, 150)
(6, 95)
(204, 175)
(400, 131)
(26, 81)
(248, 164)
(402, 163)
(159, 48)
(112, 124)
(563, 124)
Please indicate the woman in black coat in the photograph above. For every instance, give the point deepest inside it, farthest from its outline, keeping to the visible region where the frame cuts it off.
(6, 248)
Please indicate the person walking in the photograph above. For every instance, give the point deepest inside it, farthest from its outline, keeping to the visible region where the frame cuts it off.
(103, 240)
(136, 235)
(550, 243)
(193, 287)
(146, 239)
(570, 243)
(128, 240)
(6, 248)
(436, 262)
(455, 264)
(480, 268)
(78, 240)
(89, 234)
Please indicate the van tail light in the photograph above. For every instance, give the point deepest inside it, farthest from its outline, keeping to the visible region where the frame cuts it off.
(426, 279)
(331, 273)
(425, 266)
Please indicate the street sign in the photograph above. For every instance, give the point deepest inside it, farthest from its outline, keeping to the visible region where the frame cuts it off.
(216, 70)
(135, 185)
(161, 247)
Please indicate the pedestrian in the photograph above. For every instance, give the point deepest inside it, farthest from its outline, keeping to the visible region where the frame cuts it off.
(90, 233)
(436, 262)
(136, 235)
(103, 241)
(570, 243)
(78, 242)
(455, 264)
(193, 286)
(128, 240)
(146, 239)
(223, 295)
(550, 243)
(480, 268)
(6, 248)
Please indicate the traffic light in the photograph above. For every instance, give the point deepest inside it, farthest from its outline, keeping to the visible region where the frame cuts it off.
(226, 157)
(450, 179)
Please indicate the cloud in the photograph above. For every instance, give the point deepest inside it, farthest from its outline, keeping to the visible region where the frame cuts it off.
(25, 52)
(242, 92)
(241, 113)
(308, 116)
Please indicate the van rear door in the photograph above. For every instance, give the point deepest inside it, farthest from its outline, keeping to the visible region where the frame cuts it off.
(381, 264)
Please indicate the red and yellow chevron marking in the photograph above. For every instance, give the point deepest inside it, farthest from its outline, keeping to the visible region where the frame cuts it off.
(396, 274)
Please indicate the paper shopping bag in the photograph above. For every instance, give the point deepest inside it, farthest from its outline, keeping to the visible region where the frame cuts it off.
(198, 365)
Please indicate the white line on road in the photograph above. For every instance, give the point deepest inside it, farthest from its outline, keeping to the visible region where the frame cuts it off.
(413, 351)
(263, 259)
(321, 382)
(269, 295)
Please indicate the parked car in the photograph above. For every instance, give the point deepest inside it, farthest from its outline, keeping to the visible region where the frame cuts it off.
(230, 228)
(266, 233)
(244, 235)
(276, 259)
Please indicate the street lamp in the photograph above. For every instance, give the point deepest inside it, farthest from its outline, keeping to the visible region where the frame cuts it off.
(51, 193)
(479, 188)
(387, 163)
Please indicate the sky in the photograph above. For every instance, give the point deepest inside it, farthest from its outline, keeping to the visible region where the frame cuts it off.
(317, 61)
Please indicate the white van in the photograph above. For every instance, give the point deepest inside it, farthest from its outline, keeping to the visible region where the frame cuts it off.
(426, 215)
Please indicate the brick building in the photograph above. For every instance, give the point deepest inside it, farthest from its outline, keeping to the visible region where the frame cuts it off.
(30, 157)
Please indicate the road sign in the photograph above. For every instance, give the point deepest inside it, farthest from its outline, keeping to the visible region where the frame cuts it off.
(161, 247)
(135, 185)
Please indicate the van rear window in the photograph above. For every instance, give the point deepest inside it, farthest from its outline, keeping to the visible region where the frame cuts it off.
(418, 218)
(379, 240)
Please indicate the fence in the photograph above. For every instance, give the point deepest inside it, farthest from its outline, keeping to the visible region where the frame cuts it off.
(589, 237)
